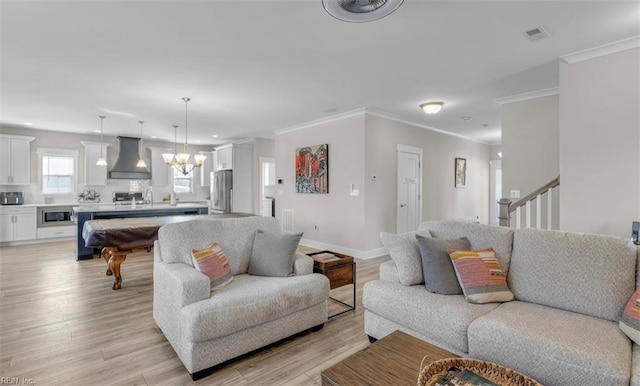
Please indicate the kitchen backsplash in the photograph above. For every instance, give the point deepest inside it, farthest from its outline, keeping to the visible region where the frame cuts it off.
(32, 194)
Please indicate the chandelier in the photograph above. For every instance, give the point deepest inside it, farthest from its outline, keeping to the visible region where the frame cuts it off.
(182, 162)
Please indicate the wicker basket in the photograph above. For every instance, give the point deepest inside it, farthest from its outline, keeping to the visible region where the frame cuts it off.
(503, 376)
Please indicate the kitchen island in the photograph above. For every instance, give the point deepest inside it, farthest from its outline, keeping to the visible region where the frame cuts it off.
(85, 213)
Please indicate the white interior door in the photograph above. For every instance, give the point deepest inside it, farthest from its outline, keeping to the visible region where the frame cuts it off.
(409, 189)
(267, 185)
(495, 190)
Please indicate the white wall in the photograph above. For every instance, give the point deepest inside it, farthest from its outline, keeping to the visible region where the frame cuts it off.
(363, 145)
(339, 217)
(441, 200)
(600, 144)
(530, 143)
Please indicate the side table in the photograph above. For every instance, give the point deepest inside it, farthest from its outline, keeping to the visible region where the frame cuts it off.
(340, 269)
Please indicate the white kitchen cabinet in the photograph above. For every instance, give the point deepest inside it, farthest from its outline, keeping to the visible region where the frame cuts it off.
(17, 223)
(225, 157)
(206, 168)
(215, 161)
(94, 175)
(55, 232)
(160, 172)
(15, 159)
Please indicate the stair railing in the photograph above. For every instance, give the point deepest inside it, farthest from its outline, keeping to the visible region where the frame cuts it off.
(507, 207)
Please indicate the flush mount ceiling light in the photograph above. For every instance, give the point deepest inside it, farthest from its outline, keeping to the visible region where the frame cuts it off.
(360, 11)
(431, 107)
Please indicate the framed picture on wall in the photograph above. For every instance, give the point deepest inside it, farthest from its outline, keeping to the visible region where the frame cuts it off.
(461, 173)
(312, 169)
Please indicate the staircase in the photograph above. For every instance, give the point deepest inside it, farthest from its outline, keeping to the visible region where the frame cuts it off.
(536, 200)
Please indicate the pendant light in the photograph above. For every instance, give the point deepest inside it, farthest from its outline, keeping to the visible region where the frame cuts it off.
(141, 163)
(101, 160)
(170, 158)
(181, 161)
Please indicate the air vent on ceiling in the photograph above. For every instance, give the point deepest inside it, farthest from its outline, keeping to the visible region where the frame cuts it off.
(536, 34)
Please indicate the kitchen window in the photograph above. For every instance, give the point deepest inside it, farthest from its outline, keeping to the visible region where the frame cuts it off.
(57, 170)
(182, 183)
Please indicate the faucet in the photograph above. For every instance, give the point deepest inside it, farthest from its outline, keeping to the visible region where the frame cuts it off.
(149, 191)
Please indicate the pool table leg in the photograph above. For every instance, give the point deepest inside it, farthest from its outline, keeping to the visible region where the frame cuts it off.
(117, 258)
(106, 255)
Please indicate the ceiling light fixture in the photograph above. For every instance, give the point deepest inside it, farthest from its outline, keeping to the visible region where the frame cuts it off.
(360, 11)
(181, 161)
(141, 163)
(431, 107)
(101, 161)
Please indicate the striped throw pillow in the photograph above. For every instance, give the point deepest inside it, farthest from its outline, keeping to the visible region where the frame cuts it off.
(212, 261)
(480, 276)
(630, 320)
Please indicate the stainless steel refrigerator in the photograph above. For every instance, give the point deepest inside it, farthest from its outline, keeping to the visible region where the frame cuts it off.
(221, 191)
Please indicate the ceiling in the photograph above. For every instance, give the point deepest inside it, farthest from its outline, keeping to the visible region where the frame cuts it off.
(253, 67)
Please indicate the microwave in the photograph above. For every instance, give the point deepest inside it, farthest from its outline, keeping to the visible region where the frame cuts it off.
(51, 216)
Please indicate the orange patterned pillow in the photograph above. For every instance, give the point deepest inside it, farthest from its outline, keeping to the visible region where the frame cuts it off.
(213, 262)
(630, 320)
(480, 276)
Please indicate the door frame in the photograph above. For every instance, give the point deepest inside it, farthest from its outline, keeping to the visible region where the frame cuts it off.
(494, 196)
(413, 150)
(261, 161)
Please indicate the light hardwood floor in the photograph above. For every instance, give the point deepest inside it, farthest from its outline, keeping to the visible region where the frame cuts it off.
(61, 324)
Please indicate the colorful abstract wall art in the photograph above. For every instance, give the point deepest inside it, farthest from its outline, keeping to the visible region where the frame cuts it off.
(312, 169)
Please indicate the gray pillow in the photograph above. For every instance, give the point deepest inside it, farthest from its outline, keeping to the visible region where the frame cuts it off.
(403, 249)
(273, 254)
(437, 269)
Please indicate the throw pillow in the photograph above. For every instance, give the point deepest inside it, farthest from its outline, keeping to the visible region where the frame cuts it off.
(630, 320)
(480, 276)
(439, 275)
(273, 254)
(213, 262)
(404, 251)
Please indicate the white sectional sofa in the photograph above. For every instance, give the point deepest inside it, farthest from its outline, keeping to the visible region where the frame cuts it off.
(562, 328)
(207, 329)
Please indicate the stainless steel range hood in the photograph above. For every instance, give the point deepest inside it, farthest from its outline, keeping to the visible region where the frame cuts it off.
(125, 167)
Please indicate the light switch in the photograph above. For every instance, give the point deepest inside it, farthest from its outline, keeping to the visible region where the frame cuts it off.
(515, 194)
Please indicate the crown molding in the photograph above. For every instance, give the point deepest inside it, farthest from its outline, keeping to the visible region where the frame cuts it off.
(321, 121)
(606, 49)
(396, 118)
(529, 95)
(372, 112)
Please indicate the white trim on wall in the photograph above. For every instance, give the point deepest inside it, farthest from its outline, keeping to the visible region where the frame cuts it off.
(529, 95)
(392, 117)
(375, 113)
(321, 121)
(605, 49)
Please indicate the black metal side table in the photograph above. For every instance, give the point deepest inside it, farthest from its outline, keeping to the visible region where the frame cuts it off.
(340, 269)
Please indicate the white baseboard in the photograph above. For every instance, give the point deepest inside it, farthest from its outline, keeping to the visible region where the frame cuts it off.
(357, 253)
